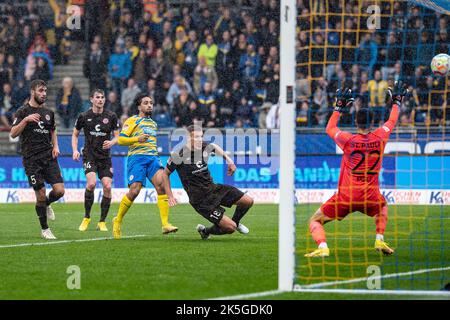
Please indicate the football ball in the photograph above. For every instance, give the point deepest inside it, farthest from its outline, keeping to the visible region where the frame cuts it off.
(440, 65)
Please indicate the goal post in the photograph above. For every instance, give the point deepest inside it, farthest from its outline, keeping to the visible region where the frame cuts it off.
(286, 228)
(414, 178)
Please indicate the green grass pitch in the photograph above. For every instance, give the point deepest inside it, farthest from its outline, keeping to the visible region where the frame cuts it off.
(182, 266)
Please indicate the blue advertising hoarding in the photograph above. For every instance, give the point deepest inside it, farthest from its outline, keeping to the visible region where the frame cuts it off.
(12, 173)
(420, 172)
(258, 142)
(320, 172)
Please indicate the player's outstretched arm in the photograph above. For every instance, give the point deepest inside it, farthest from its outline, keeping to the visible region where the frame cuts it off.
(124, 138)
(395, 95)
(231, 166)
(75, 152)
(128, 141)
(343, 99)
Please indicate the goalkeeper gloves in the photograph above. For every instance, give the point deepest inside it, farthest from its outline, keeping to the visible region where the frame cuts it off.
(397, 93)
(343, 99)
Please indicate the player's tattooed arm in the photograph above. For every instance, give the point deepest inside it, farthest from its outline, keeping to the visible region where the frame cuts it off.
(109, 143)
(75, 152)
(231, 166)
(18, 128)
(55, 151)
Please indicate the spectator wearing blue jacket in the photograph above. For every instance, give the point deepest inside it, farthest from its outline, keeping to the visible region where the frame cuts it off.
(249, 66)
(39, 53)
(119, 67)
(205, 99)
(367, 53)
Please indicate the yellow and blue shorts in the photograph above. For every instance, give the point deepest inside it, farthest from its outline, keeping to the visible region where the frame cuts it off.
(142, 167)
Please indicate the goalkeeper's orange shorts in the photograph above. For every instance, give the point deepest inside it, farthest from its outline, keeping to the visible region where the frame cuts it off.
(338, 209)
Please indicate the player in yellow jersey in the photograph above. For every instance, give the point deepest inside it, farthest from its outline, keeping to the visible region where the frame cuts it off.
(139, 133)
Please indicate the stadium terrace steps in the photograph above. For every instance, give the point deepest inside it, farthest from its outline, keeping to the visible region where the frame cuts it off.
(7, 147)
(73, 69)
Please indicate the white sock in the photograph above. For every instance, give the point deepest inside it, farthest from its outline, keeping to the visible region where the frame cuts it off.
(323, 245)
(380, 237)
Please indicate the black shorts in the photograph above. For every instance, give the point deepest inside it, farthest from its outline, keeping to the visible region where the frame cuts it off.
(221, 195)
(41, 171)
(103, 167)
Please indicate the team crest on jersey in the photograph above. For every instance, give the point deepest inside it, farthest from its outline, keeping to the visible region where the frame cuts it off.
(47, 117)
(111, 170)
(131, 177)
(125, 126)
(105, 121)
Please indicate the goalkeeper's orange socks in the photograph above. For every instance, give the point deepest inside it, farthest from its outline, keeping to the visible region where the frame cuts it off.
(381, 220)
(163, 206)
(318, 233)
(125, 204)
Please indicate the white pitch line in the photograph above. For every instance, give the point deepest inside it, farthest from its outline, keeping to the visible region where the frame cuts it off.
(250, 295)
(310, 288)
(337, 291)
(140, 236)
(381, 292)
(67, 241)
(386, 276)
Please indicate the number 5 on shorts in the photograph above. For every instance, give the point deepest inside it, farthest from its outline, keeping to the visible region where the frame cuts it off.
(33, 179)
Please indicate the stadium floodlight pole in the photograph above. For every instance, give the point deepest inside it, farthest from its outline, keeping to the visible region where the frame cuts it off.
(286, 215)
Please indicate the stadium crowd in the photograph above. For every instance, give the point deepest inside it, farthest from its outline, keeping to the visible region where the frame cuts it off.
(30, 46)
(219, 64)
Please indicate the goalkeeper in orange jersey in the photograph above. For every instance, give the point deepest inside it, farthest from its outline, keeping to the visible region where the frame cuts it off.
(358, 187)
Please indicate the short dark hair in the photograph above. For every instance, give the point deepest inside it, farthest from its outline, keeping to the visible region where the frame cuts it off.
(37, 83)
(194, 127)
(140, 97)
(96, 90)
(364, 118)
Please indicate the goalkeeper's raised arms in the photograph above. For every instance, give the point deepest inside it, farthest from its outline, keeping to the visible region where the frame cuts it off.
(344, 99)
(397, 93)
(393, 117)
